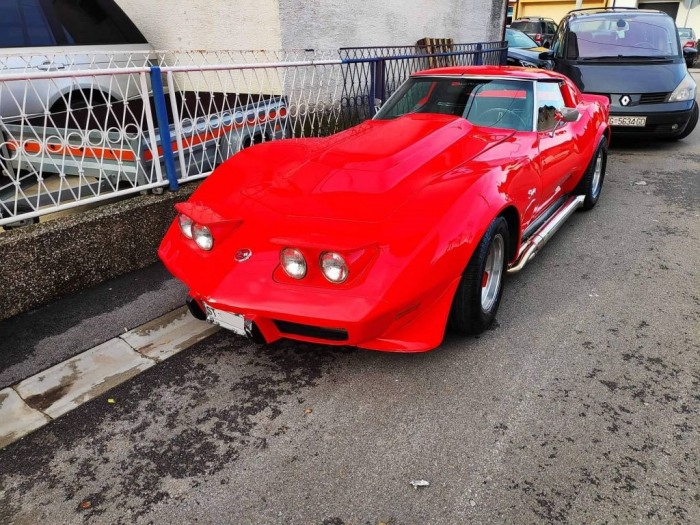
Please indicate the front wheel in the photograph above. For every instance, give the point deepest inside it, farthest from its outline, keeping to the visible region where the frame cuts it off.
(479, 292)
(592, 181)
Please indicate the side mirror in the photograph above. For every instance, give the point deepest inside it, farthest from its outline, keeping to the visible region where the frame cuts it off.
(547, 55)
(567, 114)
(562, 116)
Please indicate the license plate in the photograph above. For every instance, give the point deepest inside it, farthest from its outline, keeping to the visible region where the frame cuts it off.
(635, 122)
(228, 320)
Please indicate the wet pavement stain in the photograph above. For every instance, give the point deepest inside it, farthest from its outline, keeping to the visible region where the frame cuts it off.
(200, 440)
(49, 397)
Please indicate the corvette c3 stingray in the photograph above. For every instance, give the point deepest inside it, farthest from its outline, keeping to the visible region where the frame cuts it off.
(383, 235)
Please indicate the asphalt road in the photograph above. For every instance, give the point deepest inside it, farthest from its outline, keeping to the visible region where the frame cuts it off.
(581, 405)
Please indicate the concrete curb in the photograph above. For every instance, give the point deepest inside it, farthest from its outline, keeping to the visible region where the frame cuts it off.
(34, 402)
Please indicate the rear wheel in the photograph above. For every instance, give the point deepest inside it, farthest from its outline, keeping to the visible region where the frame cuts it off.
(479, 292)
(592, 182)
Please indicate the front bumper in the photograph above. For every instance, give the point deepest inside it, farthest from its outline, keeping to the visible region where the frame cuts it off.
(273, 310)
(667, 119)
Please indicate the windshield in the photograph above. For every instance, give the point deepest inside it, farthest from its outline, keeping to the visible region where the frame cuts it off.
(484, 102)
(623, 35)
(519, 39)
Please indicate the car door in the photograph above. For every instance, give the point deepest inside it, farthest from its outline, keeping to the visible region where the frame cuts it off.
(558, 147)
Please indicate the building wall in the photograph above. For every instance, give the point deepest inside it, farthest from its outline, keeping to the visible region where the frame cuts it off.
(331, 23)
(554, 9)
(557, 8)
(207, 24)
(317, 24)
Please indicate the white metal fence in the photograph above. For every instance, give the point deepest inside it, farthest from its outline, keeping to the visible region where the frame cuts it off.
(112, 125)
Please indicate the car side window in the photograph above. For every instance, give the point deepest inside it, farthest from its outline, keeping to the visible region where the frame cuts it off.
(99, 22)
(549, 100)
(558, 43)
(37, 23)
(23, 24)
(551, 27)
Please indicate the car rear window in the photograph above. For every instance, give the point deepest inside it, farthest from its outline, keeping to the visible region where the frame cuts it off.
(684, 32)
(527, 27)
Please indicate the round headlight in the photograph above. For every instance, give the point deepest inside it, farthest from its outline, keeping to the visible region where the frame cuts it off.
(202, 236)
(293, 263)
(185, 225)
(334, 267)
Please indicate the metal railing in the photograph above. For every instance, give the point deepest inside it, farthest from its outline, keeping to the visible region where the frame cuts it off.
(148, 120)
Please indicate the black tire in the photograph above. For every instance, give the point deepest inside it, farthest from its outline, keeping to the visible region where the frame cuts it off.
(691, 123)
(467, 314)
(591, 186)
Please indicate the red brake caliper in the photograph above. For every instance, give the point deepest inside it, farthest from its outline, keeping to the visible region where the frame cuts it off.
(484, 279)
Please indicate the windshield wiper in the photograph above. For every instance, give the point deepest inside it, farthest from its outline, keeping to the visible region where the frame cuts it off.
(626, 57)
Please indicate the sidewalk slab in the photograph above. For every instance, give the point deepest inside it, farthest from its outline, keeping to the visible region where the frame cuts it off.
(16, 418)
(69, 384)
(168, 335)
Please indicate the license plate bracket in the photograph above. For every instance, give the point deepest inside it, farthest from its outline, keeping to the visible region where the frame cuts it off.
(228, 320)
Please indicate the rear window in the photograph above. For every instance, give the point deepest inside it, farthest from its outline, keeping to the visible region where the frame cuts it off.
(527, 27)
(623, 35)
(685, 32)
(36, 23)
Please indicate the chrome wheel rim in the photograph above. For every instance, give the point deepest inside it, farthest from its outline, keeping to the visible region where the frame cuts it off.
(493, 272)
(597, 176)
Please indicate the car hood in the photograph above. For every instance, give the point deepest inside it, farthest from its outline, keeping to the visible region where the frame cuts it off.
(527, 53)
(362, 174)
(626, 78)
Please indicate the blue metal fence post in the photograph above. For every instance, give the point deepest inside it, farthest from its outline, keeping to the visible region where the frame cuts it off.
(477, 58)
(380, 80)
(163, 128)
(372, 86)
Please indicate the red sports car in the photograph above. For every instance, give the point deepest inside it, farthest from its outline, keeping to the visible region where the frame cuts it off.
(385, 234)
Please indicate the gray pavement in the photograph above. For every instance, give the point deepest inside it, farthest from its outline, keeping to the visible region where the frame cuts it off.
(581, 405)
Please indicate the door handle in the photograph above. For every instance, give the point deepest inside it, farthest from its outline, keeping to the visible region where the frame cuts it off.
(50, 66)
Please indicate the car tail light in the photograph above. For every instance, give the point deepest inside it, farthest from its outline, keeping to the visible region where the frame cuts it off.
(293, 263)
(538, 38)
(689, 43)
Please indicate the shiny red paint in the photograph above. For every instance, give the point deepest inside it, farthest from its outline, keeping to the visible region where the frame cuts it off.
(404, 201)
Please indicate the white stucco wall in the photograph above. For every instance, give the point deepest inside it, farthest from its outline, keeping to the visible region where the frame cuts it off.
(331, 23)
(317, 24)
(207, 24)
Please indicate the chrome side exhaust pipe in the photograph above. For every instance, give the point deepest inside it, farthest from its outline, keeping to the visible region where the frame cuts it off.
(534, 244)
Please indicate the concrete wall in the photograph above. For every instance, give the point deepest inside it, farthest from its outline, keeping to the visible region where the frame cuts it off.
(207, 24)
(61, 257)
(329, 24)
(318, 24)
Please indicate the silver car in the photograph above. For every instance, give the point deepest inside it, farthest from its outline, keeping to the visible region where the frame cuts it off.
(66, 35)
